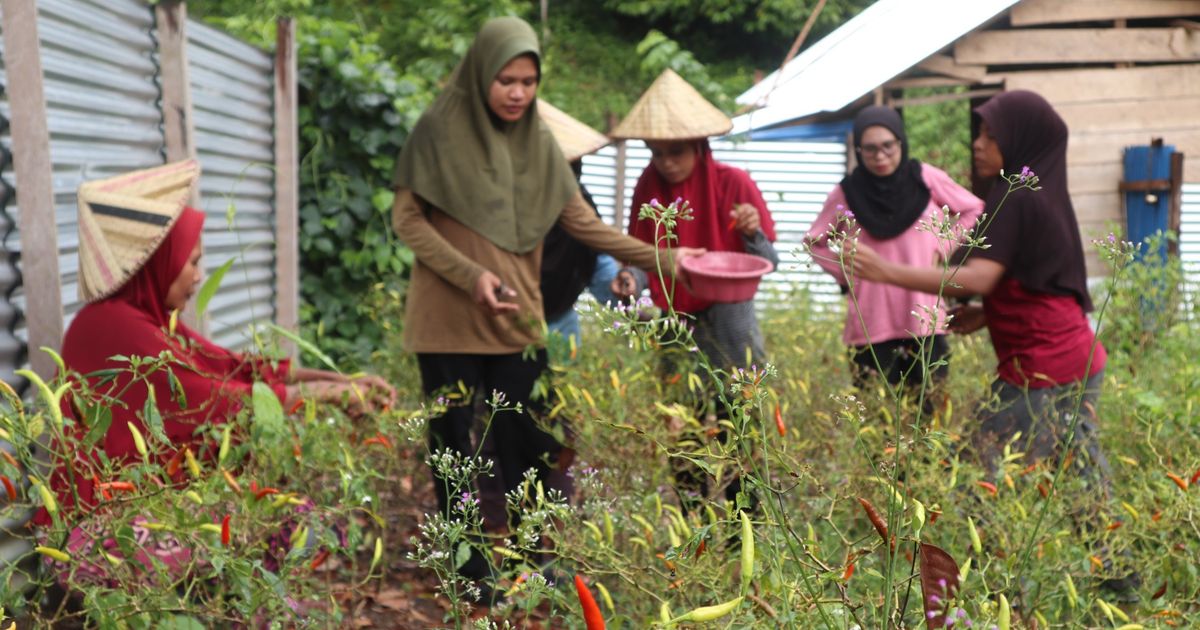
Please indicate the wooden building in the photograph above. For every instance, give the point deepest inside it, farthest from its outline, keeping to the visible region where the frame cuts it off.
(1120, 72)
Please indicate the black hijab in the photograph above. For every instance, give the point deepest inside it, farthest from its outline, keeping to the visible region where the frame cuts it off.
(1034, 234)
(885, 206)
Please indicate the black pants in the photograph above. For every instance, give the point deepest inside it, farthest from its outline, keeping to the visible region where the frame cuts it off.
(520, 443)
(900, 360)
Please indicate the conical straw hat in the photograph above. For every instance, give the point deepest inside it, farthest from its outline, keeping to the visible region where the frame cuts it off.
(574, 138)
(123, 219)
(671, 109)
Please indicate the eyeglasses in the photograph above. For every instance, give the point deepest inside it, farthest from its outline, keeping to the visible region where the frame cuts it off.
(887, 148)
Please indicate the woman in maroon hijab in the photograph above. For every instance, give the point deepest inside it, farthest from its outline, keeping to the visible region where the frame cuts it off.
(139, 264)
(1033, 281)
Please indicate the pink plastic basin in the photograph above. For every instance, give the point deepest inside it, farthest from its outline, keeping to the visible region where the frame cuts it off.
(725, 276)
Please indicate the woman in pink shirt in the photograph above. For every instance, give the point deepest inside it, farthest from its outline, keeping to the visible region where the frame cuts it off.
(886, 199)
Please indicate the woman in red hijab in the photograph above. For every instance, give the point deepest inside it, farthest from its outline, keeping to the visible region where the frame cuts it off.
(139, 264)
(728, 212)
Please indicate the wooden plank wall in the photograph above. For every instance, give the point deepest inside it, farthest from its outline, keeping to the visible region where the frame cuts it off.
(1110, 106)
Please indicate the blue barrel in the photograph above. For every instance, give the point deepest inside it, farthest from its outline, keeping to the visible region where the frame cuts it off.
(1147, 195)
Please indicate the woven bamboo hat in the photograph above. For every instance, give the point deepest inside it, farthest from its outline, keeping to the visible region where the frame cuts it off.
(123, 219)
(671, 109)
(574, 138)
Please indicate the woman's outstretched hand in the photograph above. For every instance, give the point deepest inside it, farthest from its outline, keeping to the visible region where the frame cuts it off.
(966, 318)
(493, 296)
(864, 262)
(745, 219)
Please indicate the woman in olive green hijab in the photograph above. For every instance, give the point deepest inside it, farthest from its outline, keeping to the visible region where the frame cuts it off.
(478, 184)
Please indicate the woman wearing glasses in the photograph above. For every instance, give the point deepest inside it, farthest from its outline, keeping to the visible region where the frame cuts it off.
(885, 201)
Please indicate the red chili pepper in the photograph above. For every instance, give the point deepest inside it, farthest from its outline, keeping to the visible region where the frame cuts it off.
(296, 407)
(225, 531)
(1113, 525)
(674, 378)
(175, 463)
(1179, 481)
(322, 555)
(253, 487)
(592, 618)
(732, 224)
(1157, 515)
(779, 426)
(1162, 590)
(700, 548)
(875, 518)
(1042, 490)
(987, 485)
(103, 491)
(122, 486)
(266, 491)
(1028, 469)
(848, 572)
(934, 515)
(379, 439)
(8, 488)
(1195, 477)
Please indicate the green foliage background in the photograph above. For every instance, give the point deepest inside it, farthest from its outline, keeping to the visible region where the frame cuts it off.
(368, 70)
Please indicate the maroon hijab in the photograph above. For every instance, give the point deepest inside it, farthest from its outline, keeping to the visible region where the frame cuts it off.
(134, 322)
(712, 190)
(1034, 234)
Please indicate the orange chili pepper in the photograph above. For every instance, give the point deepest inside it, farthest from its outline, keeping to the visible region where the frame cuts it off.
(175, 463)
(8, 488)
(231, 482)
(779, 426)
(103, 491)
(296, 450)
(1042, 489)
(987, 485)
(15, 464)
(296, 407)
(1114, 525)
(322, 555)
(1157, 515)
(876, 520)
(848, 572)
(674, 378)
(1097, 563)
(225, 535)
(264, 492)
(1179, 481)
(122, 486)
(1028, 469)
(379, 439)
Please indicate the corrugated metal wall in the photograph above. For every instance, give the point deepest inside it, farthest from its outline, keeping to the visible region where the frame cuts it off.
(795, 178)
(1189, 248)
(232, 85)
(12, 351)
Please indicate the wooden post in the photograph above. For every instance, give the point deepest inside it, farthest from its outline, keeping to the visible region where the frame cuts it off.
(287, 184)
(179, 130)
(33, 173)
(1175, 205)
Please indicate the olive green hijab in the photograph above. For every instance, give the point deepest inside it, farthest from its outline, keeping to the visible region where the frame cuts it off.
(506, 181)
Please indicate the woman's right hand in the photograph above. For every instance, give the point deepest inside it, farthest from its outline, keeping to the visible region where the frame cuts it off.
(492, 296)
(623, 285)
(966, 318)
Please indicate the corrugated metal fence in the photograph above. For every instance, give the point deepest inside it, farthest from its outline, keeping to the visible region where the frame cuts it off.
(101, 81)
(231, 86)
(795, 178)
(1189, 248)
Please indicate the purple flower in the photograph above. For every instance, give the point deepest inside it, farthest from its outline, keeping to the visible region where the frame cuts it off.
(931, 614)
(935, 600)
(1026, 173)
(654, 202)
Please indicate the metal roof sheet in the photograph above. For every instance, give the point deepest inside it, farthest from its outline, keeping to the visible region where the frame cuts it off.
(878, 44)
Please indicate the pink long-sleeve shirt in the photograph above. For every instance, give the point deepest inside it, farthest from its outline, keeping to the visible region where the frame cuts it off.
(890, 312)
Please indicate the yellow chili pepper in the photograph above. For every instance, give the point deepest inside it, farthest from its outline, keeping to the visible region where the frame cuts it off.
(224, 450)
(976, 544)
(48, 501)
(194, 496)
(595, 530)
(192, 464)
(607, 598)
(211, 527)
(708, 613)
(1004, 617)
(139, 442)
(378, 554)
(51, 552)
(1073, 595)
(747, 552)
(608, 529)
(664, 613)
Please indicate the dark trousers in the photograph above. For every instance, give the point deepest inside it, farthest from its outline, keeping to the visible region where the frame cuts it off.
(520, 443)
(900, 360)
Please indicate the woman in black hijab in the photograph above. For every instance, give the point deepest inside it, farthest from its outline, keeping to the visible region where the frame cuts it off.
(1033, 281)
(889, 195)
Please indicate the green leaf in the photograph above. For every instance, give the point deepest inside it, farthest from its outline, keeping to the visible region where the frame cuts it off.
(99, 418)
(305, 346)
(210, 288)
(268, 411)
(180, 622)
(152, 417)
(462, 555)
